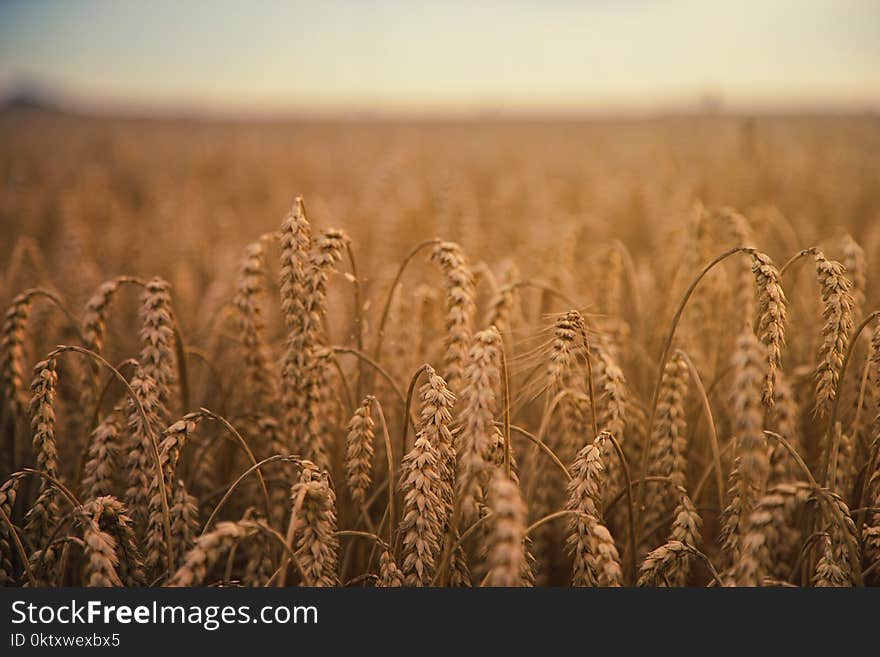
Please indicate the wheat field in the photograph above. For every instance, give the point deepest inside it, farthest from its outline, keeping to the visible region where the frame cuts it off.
(461, 353)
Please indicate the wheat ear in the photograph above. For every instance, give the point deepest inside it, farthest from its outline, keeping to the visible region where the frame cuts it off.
(12, 351)
(260, 386)
(507, 532)
(421, 526)
(460, 308)
(389, 574)
(770, 326)
(8, 494)
(837, 310)
(856, 266)
(596, 561)
(103, 450)
(747, 413)
(359, 452)
(208, 549)
(481, 380)
(157, 357)
(759, 545)
(44, 513)
(138, 460)
(317, 540)
(667, 457)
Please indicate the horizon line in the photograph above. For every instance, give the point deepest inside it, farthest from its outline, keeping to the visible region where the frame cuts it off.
(54, 97)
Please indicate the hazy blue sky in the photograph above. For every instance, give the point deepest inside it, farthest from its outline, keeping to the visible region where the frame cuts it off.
(518, 55)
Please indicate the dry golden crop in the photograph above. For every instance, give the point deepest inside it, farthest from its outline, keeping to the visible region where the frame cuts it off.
(636, 353)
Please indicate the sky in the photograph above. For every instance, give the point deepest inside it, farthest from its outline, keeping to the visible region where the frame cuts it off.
(516, 56)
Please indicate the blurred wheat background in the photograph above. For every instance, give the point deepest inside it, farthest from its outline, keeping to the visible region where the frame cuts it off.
(388, 349)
